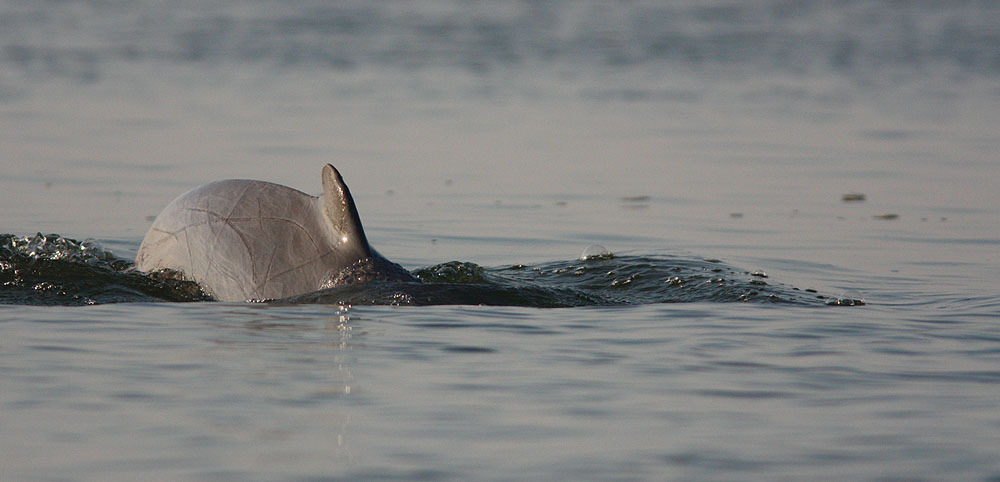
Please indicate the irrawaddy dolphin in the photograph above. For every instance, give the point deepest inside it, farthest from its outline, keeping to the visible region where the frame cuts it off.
(254, 240)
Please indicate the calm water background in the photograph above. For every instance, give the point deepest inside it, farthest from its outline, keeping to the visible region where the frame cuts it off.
(514, 132)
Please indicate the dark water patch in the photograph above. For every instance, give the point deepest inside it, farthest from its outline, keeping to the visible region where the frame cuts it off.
(469, 349)
(746, 394)
(712, 460)
(62, 348)
(53, 270)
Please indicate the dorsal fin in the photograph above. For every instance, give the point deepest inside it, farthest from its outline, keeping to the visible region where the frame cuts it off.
(340, 211)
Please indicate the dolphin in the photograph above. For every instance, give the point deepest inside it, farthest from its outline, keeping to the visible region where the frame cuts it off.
(245, 240)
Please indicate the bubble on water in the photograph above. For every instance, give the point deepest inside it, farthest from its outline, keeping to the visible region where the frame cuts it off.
(596, 251)
(848, 298)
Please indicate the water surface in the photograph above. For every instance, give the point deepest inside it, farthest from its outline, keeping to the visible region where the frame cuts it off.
(510, 137)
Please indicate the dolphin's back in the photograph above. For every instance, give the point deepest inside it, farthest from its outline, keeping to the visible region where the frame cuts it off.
(243, 240)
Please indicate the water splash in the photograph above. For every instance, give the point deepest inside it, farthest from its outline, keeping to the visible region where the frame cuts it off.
(48, 269)
(596, 251)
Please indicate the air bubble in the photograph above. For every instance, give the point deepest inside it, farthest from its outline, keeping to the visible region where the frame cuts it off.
(596, 251)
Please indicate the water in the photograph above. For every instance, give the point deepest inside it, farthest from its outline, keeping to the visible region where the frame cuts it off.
(488, 145)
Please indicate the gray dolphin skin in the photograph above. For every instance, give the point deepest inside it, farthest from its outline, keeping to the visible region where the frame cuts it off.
(246, 240)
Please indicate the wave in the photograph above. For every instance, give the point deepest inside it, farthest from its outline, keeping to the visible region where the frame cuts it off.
(55, 270)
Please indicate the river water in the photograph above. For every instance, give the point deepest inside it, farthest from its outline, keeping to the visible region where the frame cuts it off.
(800, 196)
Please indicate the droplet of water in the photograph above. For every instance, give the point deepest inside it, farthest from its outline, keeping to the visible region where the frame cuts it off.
(596, 251)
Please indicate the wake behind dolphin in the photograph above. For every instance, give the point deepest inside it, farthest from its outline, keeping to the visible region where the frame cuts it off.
(49, 269)
(253, 240)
